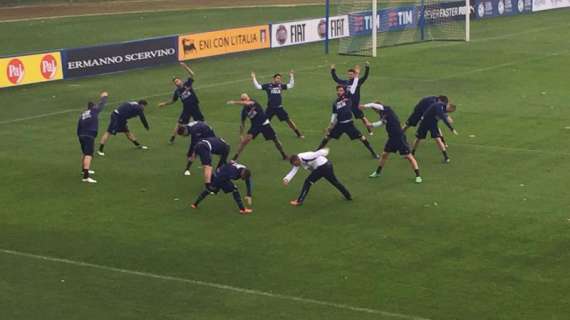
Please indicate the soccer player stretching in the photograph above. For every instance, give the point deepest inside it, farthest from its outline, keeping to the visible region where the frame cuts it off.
(274, 91)
(87, 129)
(119, 119)
(222, 180)
(259, 124)
(355, 96)
(421, 108)
(396, 139)
(190, 103)
(320, 167)
(197, 130)
(429, 121)
(341, 121)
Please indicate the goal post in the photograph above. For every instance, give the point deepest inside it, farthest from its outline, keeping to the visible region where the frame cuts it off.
(375, 24)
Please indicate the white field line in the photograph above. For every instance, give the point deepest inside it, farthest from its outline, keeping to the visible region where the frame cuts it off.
(163, 10)
(211, 285)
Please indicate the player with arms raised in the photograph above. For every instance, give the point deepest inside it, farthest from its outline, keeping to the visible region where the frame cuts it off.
(190, 103)
(87, 130)
(274, 91)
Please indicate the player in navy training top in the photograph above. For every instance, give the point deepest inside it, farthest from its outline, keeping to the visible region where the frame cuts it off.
(190, 102)
(200, 131)
(341, 121)
(396, 138)
(87, 130)
(421, 108)
(118, 123)
(223, 178)
(438, 111)
(355, 97)
(274, 92)
(259, 124)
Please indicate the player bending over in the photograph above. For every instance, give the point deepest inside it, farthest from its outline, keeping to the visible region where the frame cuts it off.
(259, 124)
(222, 180)
(119, 121)
(341, 121)
(436, 112)
(197, 130)
(355, 96)
(204, 149)
(87, 129)
(275, 107)
(320, 167)
(396, 139)
(190, 103)
(421, 108)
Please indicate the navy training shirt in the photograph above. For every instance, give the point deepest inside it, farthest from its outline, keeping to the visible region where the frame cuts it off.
(255, 113)
(274, 91)
(198, 131)
(424, 104)
(231, 171)
(347, 83)
(342, 108)
(390, 118)
(186, 94)
(88, 124)
(437, 112)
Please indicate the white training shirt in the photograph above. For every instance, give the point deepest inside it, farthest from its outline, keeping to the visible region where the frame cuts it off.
(310, 161)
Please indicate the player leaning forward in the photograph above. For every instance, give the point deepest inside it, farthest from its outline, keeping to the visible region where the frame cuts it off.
(320, 167)
(396, 138)
(87, 129)
(119, 123)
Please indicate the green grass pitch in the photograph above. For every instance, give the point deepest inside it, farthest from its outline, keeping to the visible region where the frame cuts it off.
(485, 237)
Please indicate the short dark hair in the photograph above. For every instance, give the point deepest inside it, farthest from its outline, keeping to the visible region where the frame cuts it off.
(443, 99)
(143, 102)
(276, 75)
(293, 158)
(90, 105)
(181, 130)
(351, 70)
(245, 173)
(339, 86)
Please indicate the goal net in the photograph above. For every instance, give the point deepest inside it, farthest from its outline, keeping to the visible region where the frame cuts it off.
(399, 22)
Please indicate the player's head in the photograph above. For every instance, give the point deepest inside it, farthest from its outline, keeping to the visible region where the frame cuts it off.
(450, 108)
(142, 103)
(277, 78)
(245, 173)
(178, 82)
(295, 160)
(351, 73)
(244, 97)
(90, 105)
(443, 99)
(340, 91)
(182, 130)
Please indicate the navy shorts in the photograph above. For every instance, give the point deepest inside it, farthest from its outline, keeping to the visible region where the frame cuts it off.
(414, 118)
(424, 128)
(280, 112)
(117, 124)
(219, 147)
(266, 130)
(397, 144)
(190, 112)
(227, 186)
(345, 128)
(87, 145)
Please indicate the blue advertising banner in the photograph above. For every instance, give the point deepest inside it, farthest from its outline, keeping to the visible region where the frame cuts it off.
(498, 8)
(391, 19)
(90, 61)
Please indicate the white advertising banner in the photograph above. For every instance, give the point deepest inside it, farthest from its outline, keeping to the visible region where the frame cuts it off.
(541, 5)
(306, 31)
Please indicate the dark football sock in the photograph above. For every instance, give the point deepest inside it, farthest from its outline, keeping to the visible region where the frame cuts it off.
(297, 132)
(101, 147)
(201, 197)
(445, 156)
(379, 169)
(188, 165)
(417, 171)
(172, 139)
(279, 147)
(136, 143)
(237, 198)
(368, 146)
(85, 173)
(323, 144)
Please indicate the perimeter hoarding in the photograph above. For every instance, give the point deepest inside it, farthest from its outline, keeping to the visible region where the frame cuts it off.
(541, 5)
(90, 61)
(499, 8)
(208, 44)
(307, 31)
(29, 69)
